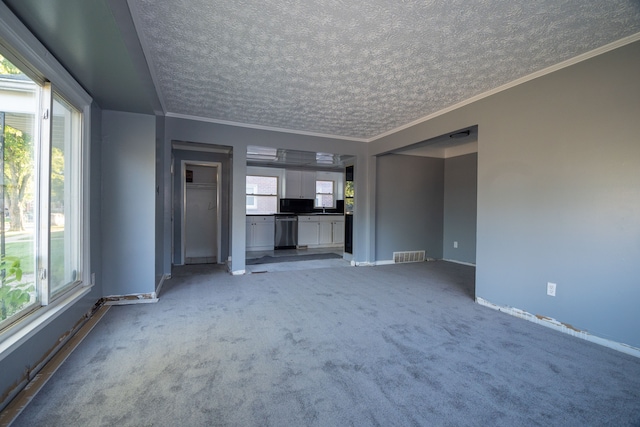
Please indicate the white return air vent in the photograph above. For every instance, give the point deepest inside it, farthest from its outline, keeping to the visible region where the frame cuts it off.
(408, 256)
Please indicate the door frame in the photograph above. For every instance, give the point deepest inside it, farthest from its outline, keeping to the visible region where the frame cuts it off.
(183, 211)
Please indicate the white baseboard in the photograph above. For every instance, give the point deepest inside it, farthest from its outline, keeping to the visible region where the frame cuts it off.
(562, 327)
(385, 262)
(362, 264)
(459, 262)
(238, 272)
(162, 280)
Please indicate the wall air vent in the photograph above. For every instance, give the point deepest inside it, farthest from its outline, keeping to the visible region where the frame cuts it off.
(408, 256)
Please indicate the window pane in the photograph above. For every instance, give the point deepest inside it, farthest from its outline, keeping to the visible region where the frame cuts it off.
(18, 105)
(324, 194)
(265, 185)
(64, 233)
(262, 194)
(262, 204)
(325, 187)
(348, 196)
(324, 201)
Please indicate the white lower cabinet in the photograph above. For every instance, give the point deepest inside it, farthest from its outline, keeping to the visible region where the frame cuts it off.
(260, 233)
(337, 231)
(307, 233)
(318, 231)
(325, 238)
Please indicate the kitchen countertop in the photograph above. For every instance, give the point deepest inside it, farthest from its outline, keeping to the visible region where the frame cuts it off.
(300, 214)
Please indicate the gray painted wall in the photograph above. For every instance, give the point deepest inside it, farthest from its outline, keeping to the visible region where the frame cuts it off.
(460, 208)
(128, 203)
(28, 355)
(409, 209)
(559, 197)
(239, 138)
(160, 267)
(95, 216)
(558, 193)
(225, 192)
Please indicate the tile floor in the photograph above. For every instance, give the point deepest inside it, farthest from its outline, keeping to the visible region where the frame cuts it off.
(295, 265)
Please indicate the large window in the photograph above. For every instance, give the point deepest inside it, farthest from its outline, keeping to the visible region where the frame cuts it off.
(65, 194)
(262, 194)
(41, 194)
(325, 194)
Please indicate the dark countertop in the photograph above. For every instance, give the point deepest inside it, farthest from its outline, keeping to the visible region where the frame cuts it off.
(300, 214)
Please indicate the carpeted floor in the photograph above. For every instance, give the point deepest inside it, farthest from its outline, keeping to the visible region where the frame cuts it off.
(396, 345)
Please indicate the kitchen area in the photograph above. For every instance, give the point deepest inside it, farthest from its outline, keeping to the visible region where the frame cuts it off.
(296, 206)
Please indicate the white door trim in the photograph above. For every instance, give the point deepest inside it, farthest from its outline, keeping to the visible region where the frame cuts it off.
(183, 211)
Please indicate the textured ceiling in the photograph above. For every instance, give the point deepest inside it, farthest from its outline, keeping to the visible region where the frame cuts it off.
(357, 69)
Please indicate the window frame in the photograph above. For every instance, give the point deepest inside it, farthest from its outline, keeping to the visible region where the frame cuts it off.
(23, 49)
(257, 195)
(332, 194)
(254, 204)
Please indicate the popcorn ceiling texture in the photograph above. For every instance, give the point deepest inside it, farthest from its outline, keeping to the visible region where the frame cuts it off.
(358, 69)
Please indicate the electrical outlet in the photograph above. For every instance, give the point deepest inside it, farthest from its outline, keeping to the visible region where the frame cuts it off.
(551, 289)
(93, 279)
(455, 245)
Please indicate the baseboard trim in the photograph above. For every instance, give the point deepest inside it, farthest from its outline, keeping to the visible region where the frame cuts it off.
(131, 299)
(385, 262)
(35, 384)
(162, 279)
(363, 264)
(459, 262)
(561, 327)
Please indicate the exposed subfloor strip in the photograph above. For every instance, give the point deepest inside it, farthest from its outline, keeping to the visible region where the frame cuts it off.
(25, 396)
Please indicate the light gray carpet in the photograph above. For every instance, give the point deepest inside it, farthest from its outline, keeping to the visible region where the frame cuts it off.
(397, 345)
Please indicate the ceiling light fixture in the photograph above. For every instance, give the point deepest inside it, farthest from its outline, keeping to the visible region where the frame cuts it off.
(261, 153)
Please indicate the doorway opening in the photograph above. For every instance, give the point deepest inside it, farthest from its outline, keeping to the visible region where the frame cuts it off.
(201, 234)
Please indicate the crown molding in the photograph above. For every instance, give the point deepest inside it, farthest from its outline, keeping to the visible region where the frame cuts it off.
(260, 127)
(564, 64)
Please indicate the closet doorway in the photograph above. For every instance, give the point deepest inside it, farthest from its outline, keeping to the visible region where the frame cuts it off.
(201, 213)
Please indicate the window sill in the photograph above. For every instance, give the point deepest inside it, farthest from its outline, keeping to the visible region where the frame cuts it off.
(15, 335)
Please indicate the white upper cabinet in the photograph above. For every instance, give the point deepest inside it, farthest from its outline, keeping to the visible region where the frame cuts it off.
(300, 184)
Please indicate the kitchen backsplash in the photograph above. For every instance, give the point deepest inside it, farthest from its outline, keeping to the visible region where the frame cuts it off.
(306, 206)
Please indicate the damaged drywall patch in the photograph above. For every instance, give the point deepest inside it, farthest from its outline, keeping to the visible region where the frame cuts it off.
(130, 299)
(561, 327)
(568, 326)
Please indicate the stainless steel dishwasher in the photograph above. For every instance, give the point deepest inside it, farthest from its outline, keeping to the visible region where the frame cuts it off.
(286, 236)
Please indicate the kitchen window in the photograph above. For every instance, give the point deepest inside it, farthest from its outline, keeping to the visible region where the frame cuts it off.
(262, 194)
(325, 194)
(41, 194)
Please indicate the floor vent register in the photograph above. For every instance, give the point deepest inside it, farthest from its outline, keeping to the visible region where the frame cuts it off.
(408, 256)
